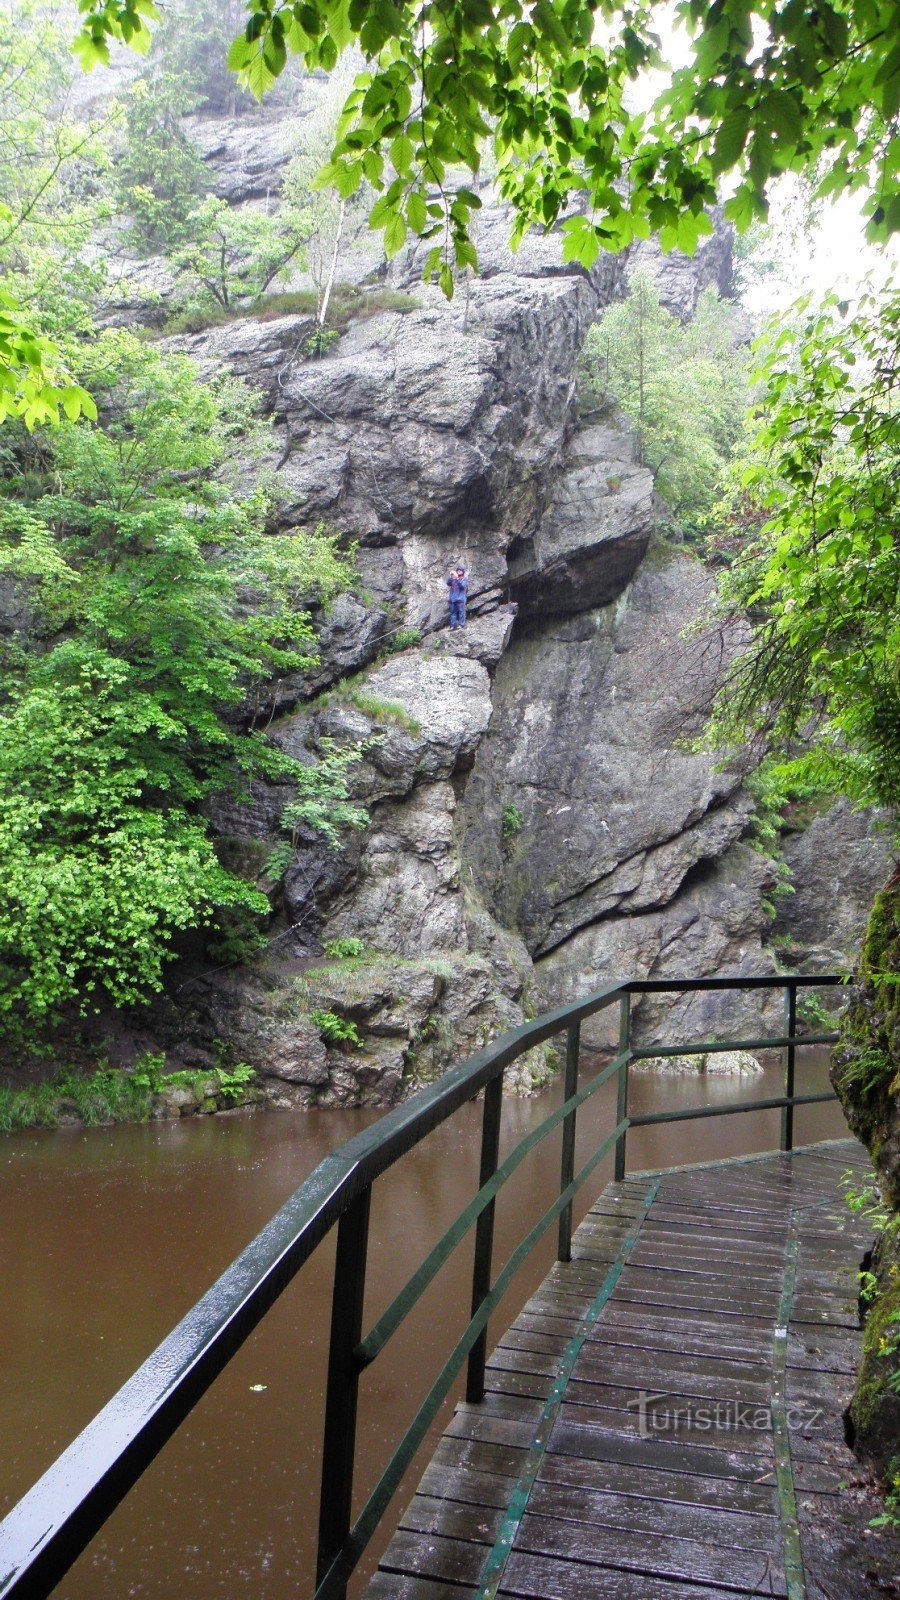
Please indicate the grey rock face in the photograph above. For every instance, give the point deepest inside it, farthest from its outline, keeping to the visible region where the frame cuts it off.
(681, 279)
(586, 744)
(246, 155)
(714, 926)
(837, 864)
(417, 424)
(261, 350)
(595, 532)
(406, 897)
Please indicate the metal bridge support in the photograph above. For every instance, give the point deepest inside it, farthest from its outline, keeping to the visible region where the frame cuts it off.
(622, 1083)
(790, 1029)
(567, 1170)
(339, 1437)
(484, 1235)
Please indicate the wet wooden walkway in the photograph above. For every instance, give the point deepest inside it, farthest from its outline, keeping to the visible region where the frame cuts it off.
(663, 1421)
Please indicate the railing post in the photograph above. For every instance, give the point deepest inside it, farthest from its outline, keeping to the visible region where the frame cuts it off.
(484, 1234)
(622, 1083)
(339, 1437)
(790, 1028)
(567, 1168)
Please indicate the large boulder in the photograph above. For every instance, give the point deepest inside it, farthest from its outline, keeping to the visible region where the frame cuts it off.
(434, 423)
(838, 861)
(866, 1075)
(587, 801)
(595, 532)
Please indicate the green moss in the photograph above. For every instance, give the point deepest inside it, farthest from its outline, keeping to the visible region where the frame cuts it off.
(875, 1410)
(380, 710)
(109, 1095)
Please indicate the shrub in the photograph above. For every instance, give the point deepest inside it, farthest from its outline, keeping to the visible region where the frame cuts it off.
(512, 822)
(336, 1030)
(344, 949)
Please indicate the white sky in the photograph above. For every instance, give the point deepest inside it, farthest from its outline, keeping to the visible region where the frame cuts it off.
(833, 255)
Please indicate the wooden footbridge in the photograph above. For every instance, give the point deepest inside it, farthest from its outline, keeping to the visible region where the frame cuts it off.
(653, 1422)
(650, 1428)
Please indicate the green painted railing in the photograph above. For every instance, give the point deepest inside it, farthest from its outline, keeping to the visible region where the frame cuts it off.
(54, 1522)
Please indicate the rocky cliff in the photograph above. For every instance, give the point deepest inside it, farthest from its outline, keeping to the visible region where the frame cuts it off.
(539, 822)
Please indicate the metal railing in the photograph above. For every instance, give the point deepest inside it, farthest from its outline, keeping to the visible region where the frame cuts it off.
(54, 1522)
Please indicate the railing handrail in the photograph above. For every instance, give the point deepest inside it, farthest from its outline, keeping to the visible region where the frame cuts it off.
(58, 1516)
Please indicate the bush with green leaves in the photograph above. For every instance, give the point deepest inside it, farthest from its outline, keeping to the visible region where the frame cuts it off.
(159, 600)
(821, 578)
(231, 254)
(159, 176)
(349, 949)
(511, 822)
(336, 1030)
(683, 386)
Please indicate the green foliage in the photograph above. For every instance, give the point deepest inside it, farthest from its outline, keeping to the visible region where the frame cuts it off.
(344, 949)
(109, 1095)
(771, 86)
(322, 802)
(813, 1013)
(320, 341)
(230, 254)
(511, 823)
(865, 1201)
(890, 1516)
(159, 174)
(235, 1081)
(162, 598)
(48, 179)
(33, 382)
(867, 1072)
(403, 639)
(822, 578)
(336, 1030)
(683, 386)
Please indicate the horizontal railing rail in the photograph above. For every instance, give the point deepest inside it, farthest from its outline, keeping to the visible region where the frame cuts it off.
(54, 1522)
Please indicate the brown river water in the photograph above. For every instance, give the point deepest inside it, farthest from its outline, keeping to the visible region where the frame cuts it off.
(108, 1236)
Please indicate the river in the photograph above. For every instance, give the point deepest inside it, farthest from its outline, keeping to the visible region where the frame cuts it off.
(108, 1236)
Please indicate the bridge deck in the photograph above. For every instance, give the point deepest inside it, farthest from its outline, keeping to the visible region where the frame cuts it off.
(663, 1421)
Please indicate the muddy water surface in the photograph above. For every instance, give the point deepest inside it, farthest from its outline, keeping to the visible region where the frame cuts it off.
(108, 1236)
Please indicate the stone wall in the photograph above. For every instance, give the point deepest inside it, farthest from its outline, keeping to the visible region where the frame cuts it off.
(538, 821)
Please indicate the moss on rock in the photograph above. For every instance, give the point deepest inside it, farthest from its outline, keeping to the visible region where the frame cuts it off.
(866, 1074)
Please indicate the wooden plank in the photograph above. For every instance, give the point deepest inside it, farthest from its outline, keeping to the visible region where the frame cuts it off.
(574, 1436)
(535, 1577)
(652, 1554)
(659, 1484)
(672, 1519)
(400, 1586)
(679, 1503)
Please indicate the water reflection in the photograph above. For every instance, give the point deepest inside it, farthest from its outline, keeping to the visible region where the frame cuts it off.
(107, 1237)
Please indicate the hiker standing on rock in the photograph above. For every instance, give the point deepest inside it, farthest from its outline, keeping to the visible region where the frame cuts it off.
(458, 584)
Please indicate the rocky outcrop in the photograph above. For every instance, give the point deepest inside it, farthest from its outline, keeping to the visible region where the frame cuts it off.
(866, 1075)
(538, 819)
(590, 746)
(595, 532)
(838, 860)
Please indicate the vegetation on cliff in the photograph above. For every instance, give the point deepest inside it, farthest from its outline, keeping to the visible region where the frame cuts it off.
(157, 596)
(820, 577)
(683, 385)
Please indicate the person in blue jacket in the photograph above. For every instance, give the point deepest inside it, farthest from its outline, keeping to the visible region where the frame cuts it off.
(458, 584)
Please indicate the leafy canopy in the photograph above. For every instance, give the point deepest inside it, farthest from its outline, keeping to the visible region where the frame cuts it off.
(684, 387)
(158, 599)
(822, 579)
(772, 86)
(45, 158)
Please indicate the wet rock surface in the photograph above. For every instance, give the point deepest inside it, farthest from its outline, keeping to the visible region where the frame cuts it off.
(538, 820)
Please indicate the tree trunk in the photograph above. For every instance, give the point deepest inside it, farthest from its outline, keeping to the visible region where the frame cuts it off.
(323, 308)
